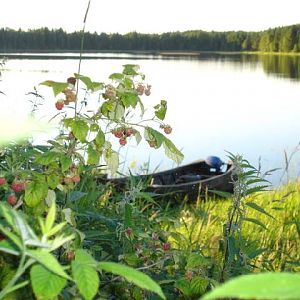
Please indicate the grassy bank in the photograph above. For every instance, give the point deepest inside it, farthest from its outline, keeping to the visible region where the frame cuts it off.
(273, 243)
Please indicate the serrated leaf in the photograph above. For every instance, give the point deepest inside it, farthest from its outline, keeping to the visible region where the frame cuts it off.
(45, 284)
(100, 138)
(35, 192)
(255, 221)
(137, 136)
(264, 286)
(80, 129)
(117, 113)
(152, 134)
(256, 189)
(195, 260)
(129, 98)
(46, 158)
(130, 69)
(161, 109)
(48, 261)
(172, 152)
(83, 257)
(57, 87)
(112, 161)
(90, 85)
(53, 181)
(86, 279)
(136, 277)
(117, 77)
(65, 162)
(259, 209)
(93, 156)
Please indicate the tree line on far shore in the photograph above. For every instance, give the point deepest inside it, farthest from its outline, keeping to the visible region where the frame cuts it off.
(280, 39)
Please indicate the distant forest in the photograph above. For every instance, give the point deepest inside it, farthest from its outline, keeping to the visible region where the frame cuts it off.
(280, 39)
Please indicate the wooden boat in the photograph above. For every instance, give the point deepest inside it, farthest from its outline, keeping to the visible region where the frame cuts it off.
(191, 180)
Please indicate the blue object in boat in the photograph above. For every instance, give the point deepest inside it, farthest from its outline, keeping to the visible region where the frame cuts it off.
(214, 162)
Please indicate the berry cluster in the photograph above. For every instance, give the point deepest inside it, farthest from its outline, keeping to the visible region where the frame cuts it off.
(73, 177)
(141, 89)
(17, 186)
(70, 95)
(110, 92)
(122, 134)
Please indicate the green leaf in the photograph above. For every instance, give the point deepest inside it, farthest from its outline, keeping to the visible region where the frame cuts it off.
(117, 77)
(152, 134)
(129, 98)
(50, 219)
(45, 284)
(221, 193)
(263, 286)
(100, 138)
(93, 156)
(86, 279)
(256, 189)
(80, 129)
(130, 69)
(161, 109)
(90, 85)
(47, 158)
(195, 260)
(137, 136)
(65, 162)
(48, 261)
(112, 161)
(8, 247)
(57, 87)
(53, 181)
(259, 208)
(136, 277)
(85, 258)
(35, 193)
(117, 113)
(255, 221)
(172, 152)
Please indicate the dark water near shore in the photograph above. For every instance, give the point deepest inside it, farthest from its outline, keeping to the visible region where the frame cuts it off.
(244, 104)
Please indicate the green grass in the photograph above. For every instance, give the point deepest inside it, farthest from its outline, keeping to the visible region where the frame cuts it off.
(201, 226)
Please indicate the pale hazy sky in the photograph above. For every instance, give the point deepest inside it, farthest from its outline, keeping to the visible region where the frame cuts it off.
(150, 16)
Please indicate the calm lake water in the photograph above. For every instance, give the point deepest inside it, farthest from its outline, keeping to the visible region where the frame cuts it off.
(216, 103)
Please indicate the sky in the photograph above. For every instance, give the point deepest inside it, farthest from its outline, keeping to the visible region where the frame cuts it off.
(146, 16)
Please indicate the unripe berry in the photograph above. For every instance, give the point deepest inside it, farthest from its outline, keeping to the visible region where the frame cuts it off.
(152, 144)
(189, 275)
(140, 89)
(71, 80)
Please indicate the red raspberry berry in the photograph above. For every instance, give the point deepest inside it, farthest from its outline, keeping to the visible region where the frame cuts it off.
(2, 180)
(59, 105)
(122, 141)
(167, 129)
(12, 199)
(118, 133)
(18, 186)
(166, 246)
(76, 178)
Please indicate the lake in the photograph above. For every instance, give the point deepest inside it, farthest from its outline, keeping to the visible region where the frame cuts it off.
(244, 104)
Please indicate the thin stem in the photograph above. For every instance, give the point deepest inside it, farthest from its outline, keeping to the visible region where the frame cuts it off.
(81, 51)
